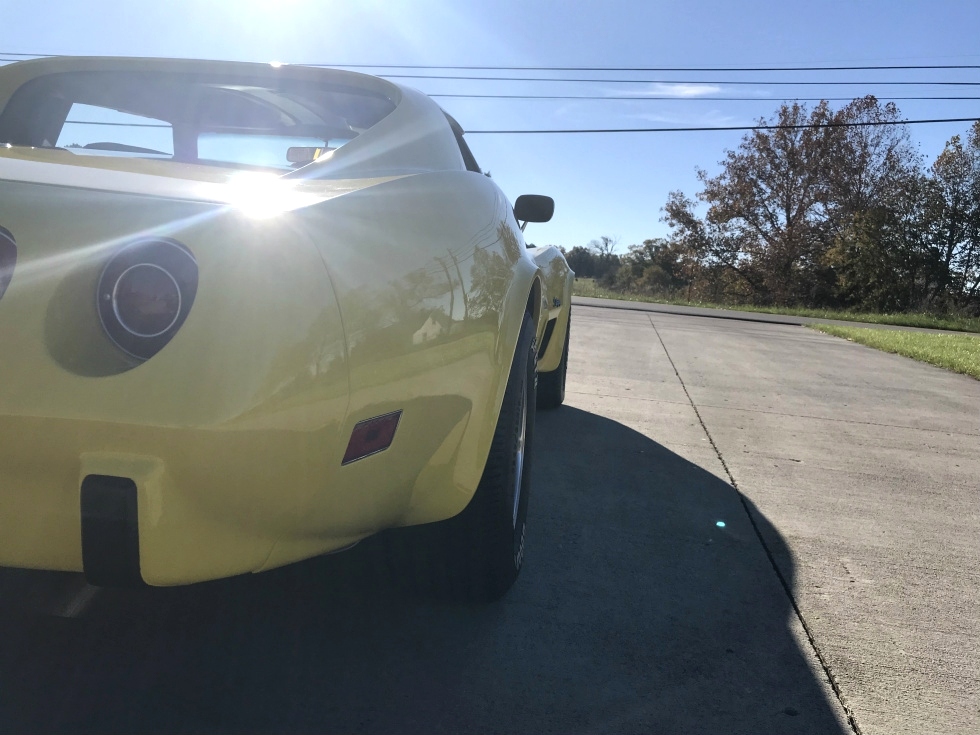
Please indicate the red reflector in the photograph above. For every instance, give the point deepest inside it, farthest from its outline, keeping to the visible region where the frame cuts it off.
(371, 436)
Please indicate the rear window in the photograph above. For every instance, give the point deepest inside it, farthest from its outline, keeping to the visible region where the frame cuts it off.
(237, 122)
(91, 130)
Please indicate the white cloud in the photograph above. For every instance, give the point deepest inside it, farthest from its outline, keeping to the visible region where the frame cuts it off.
(710, 118)
(689, 90)
(674, 90)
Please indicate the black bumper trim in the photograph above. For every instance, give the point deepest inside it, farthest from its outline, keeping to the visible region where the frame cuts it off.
(110, 531)
(549, 329)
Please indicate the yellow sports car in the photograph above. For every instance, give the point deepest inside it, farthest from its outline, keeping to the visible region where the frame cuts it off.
(254, 313)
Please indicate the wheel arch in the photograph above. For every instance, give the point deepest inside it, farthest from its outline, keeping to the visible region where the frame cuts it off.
(524, 296)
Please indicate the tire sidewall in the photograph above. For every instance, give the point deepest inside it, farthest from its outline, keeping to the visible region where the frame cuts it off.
(529, 385)
(563, 368)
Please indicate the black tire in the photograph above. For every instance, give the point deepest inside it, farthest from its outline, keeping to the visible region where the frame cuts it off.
(477, 555)
(551, 386)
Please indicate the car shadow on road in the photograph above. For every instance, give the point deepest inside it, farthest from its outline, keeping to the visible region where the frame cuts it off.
(637, 611)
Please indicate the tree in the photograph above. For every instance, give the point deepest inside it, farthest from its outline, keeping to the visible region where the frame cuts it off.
(658, 266)
(815, 207)
(771, 198)
(880, 260)
(606, 260)
(582, 261)
(953, 222)
(874, 210)
(596, 260)
(604, 247)
(874, 214)
(871, 159)
(716, 246)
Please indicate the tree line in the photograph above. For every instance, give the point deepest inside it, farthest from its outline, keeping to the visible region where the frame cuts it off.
(840, 212)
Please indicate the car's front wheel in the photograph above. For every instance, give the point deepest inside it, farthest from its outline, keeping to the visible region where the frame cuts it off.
(477, 555)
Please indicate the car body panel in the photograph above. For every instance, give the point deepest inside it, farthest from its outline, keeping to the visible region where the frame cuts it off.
(363, 287)
(557, 278)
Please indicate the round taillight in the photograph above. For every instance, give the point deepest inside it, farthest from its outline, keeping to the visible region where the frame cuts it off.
(145, 293)
(146, 300)
(8, 259)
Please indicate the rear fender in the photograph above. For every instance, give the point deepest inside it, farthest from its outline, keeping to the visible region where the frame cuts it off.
(433, 280)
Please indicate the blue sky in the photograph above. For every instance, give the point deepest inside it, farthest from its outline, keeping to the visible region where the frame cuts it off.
(603, 184)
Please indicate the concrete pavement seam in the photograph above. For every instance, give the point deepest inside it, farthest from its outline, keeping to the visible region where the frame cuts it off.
(831, 679)
(947, 432)
(626, 398)
(841, 421)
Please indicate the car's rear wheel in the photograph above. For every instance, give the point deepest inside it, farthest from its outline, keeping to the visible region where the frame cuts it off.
(551, 385)
(477, 555)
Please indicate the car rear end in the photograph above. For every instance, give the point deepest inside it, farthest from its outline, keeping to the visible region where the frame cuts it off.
(177, 400)
(174, 378)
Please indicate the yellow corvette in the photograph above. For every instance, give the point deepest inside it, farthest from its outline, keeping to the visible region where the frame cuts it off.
(252, 313)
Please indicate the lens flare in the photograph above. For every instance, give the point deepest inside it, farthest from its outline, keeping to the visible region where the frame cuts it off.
(261, 195)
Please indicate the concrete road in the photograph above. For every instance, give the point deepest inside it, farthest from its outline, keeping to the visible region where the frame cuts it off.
(834, 591)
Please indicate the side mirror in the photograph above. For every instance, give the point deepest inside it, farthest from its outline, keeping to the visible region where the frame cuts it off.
(533, 208)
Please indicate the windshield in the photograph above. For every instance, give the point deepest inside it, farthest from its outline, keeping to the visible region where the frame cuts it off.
(238, 123)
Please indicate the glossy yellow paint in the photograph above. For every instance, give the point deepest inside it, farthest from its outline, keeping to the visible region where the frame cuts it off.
(557, 278)
(378, 294)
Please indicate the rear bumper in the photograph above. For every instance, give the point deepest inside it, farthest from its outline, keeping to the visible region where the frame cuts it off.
(202, 505)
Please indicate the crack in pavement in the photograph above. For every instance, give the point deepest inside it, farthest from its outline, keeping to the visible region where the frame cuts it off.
(831, 679)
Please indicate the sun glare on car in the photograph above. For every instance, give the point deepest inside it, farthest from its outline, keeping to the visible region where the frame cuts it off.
(263, 195)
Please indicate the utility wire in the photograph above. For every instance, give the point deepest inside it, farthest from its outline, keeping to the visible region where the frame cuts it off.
(675, 98)
(626, 130)
(719, 128)
(4, 54)
(668, 81)
(651, 68)
(644, 81)
(610, 68)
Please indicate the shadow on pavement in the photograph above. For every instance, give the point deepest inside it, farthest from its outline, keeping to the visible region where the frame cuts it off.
(635, 612)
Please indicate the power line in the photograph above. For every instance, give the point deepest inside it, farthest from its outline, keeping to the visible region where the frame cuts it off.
(627, 130)
(721, 128)
(678, 97)
(877, 67)
(460, 77)
(705, 99)
(669, 81)
(674, 98)
(653, 68)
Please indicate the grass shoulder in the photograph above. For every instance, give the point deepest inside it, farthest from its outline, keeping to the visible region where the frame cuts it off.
(588, 287)
(957, 352)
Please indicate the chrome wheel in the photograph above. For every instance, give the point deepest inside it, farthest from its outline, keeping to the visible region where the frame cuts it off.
(519, 453)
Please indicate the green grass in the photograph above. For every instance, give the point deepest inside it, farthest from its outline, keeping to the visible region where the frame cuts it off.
(957, 352)
(588, 287)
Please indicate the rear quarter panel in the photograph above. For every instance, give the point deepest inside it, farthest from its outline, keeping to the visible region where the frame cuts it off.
(432, 277)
